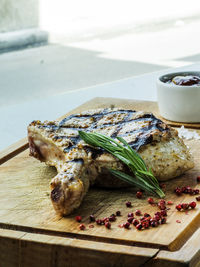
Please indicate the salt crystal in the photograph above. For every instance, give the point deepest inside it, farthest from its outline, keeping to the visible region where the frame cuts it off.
(188, 134)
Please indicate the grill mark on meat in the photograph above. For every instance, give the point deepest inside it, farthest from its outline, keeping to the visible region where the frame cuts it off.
(139, 142)
(96, 116)
(94, 152)
(143, 137)
(80, 160)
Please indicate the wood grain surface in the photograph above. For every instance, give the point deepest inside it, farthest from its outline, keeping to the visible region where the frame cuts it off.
(27, 214)
(23, 249)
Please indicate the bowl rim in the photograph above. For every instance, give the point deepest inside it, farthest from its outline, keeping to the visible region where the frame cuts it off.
(169, 75)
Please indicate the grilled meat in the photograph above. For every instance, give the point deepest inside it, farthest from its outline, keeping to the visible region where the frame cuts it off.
(79, 165)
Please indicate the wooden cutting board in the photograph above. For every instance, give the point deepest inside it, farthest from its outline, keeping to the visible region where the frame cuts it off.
(27, 214)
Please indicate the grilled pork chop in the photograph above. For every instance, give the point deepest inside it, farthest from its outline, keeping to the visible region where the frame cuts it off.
(79, 165)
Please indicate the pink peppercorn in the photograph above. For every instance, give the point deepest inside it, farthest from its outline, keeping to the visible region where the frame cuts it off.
(99, 222)
(130, 214)
(139, 194)
(139, 226)
(157, 218)
(145, 224)
(112, 218)
(198, 179)
(198, 198)
(92, 218)
(169, 202)
(184, 206)
(146, 215)
(130, 219)
(128, 204)
(178, 207)
(78, 218)
(178, 191)
(81, 226)
(135, 222)
(108, 225)
(118, 213)
(153, 223)
(192, 204)
(196, 191)
(138, 213)
(126, 225)
(163, 220)
(150, 200)
(158, 213)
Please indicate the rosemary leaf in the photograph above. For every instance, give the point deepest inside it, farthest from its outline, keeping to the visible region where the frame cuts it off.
(142, 177)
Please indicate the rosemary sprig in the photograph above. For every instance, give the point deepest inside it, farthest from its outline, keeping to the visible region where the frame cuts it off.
(143, 178)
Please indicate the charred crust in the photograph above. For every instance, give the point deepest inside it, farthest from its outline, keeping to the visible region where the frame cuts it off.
(94, 152)
(80, 161)
(153, 129)
(34, 150)
(56, 194)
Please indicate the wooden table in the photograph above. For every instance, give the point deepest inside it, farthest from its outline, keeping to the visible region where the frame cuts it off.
(32, 235)
(29, 237)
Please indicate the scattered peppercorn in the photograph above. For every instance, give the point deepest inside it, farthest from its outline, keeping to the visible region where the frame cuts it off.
(186, 190)
(139, 226)
(198, 198)
(130, 219)
(135, 222)
(138, 213)
(139, 194)
(178, 221)
(78, 218)
(126, 225)
(157, 218)
(150, 200)
(145, 224)
(170, 202)
(99, 222)
(158, 213)
(196, 191)
(184, 206)
(128, 204)
(163, 220)
(161, 205)
(130, 214)
(91, 226)
(92, 218)
(118, 213)
(105, 219)
(198, 179)
(153, 223)
(192, 204)
(81, 226)
(108, 225)
(178, 207)
(163, 213)
(178, 191)
(112, 218)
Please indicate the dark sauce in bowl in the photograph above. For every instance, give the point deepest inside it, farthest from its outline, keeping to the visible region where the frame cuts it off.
(188, 80)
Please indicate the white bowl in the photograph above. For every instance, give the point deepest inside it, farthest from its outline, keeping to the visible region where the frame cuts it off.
(177, 102)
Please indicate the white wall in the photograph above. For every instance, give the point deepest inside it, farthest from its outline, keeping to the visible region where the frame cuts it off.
(18, 14)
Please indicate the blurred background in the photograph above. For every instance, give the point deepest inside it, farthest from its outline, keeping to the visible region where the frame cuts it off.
(51, 48)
